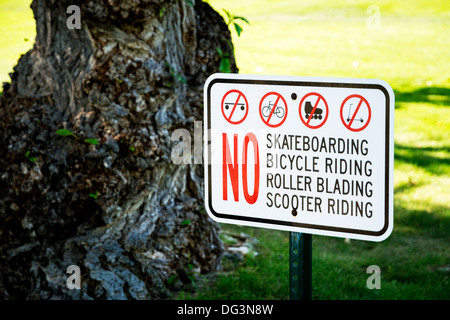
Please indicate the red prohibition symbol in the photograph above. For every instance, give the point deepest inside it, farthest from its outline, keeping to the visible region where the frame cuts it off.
(355, 113)
(313, 110)
(234, 106)
(273, 109)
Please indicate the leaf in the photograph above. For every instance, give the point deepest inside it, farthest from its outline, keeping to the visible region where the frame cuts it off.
(242, 18)
(64, 132)
(32, 159)
(175, 74)
(225, 65)
(192, 279)
(238, 29)
(181, 78)
(219, 51)
(228, 14)
(172, 279)
(94, 195)
(161, 12)
(91, 141)
(186, 222)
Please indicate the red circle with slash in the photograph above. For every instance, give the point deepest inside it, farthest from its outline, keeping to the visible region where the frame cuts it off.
(235, 109)
(273, 109)
(313, 109)
(361, 103)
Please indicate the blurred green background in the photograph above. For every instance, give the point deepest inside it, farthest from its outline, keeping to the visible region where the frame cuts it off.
(17, 30)
(405, 43)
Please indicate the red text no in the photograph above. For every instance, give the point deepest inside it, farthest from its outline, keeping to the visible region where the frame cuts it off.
(230, 163)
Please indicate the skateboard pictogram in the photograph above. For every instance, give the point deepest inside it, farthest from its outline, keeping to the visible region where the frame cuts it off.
(234, 106)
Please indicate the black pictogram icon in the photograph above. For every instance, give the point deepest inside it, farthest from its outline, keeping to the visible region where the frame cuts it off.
(234, 107)
(355, 112)
(267, 110)
(308, 109)
(313, 110)
(349, 116)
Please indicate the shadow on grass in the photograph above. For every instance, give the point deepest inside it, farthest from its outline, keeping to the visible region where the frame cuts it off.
(436, 95)
(406, 186)
(424, 157)
(431, 222)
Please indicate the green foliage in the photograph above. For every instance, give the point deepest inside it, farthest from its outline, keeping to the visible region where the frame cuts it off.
(65, 133)
(27, 155)
(201, 209)
(175, 74)
(225, 62)
(186, 222)
(161, 11)
(91, 141)
(231, 20)
(94, 195)
(69, 133)
(188, 272)
(172, 278)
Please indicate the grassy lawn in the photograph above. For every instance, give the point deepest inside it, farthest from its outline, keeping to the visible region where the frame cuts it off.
(409, 49)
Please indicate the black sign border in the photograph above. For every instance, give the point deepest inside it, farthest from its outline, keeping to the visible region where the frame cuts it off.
(306, 84)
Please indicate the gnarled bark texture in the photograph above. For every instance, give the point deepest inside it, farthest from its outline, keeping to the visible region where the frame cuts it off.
(120, 210)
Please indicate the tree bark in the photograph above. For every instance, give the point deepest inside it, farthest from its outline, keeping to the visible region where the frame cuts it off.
(121, 210)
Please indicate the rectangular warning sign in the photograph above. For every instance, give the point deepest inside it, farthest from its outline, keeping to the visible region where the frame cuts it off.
(311, 155)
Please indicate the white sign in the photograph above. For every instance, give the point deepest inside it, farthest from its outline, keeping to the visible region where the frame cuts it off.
(311, 155)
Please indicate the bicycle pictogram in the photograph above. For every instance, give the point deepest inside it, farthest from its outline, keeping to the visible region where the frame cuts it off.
(267, 110)
(273, 109)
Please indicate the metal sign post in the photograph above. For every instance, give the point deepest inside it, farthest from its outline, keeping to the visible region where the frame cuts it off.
(300, 154)
(300, 266)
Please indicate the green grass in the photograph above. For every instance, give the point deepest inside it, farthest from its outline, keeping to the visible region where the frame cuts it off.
(326, 38)
(331, 39)
(410, 52)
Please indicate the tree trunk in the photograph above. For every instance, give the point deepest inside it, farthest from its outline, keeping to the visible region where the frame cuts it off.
(121, 210)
